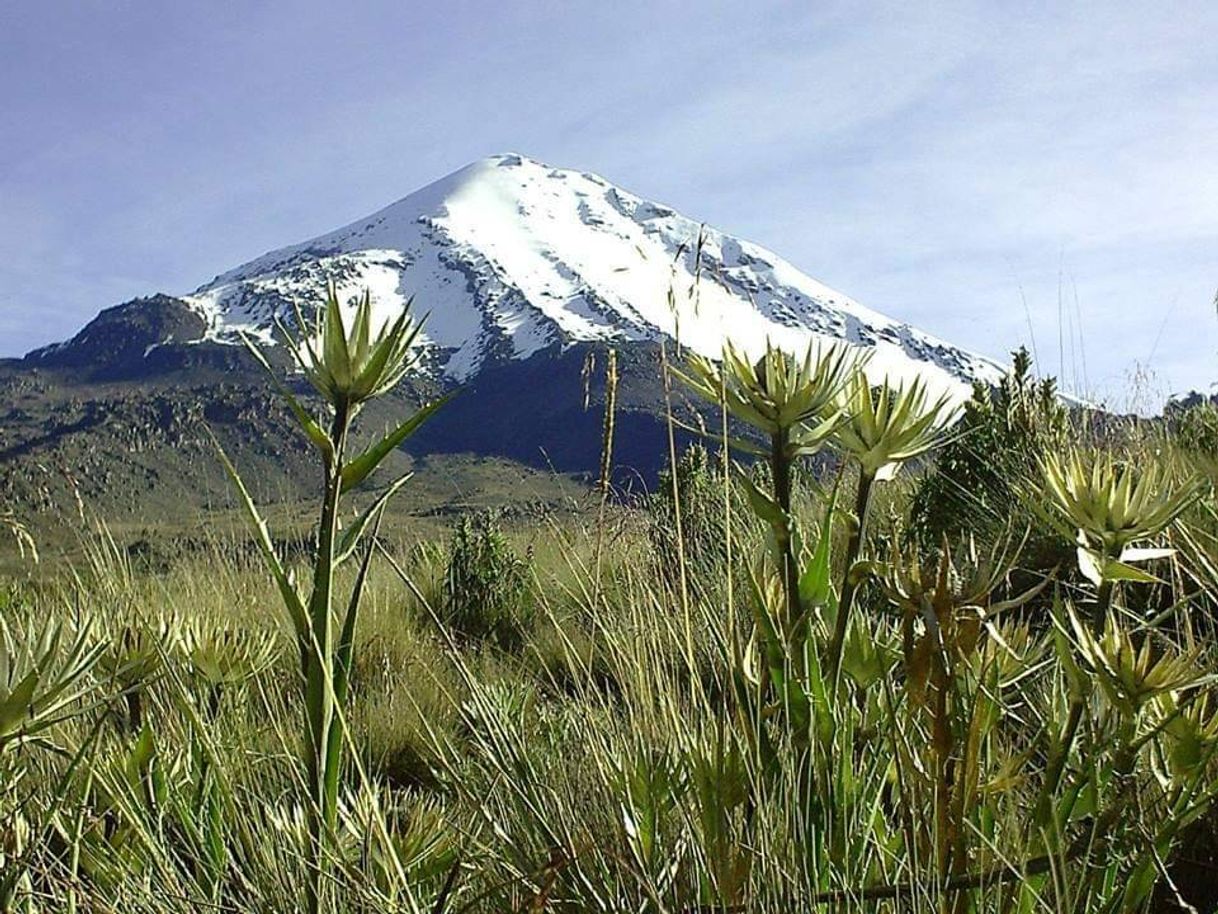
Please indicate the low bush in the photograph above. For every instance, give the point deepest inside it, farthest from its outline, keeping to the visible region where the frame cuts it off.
(978, 478)
(486, 585)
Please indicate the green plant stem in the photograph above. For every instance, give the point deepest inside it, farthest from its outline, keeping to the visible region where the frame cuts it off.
(780, 466)
(853, 547)
(944, 751)
(1057, 764)
(1103, 601)
(322, 741)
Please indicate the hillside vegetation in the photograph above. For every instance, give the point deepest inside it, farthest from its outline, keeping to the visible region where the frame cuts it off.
(857, 652)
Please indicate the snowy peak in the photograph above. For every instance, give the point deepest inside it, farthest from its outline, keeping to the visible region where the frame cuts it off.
(510, 256)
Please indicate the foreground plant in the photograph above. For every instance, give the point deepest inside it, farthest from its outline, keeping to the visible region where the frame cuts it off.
(1136, 753)
(791, 402)
(953, 680)
(883, 430)
(134, 658)
(347, 368)
(43, 678)
(1113, 505)
(44, 681)
(224, 659)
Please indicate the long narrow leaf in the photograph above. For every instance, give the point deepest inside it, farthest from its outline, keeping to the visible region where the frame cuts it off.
(310, 425)
(351, 537)
(358, 469)
(346, 638)
(291, 598)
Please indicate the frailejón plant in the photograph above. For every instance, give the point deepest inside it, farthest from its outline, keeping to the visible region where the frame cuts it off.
(882, 431)
(793, 403)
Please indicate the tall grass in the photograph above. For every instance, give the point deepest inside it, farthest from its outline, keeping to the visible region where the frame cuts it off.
(836, 715)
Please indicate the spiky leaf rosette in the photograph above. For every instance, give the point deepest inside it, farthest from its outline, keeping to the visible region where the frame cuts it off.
(349, 367)
(43, 679)
(1112, 504)
(887, 427)
(779, 392)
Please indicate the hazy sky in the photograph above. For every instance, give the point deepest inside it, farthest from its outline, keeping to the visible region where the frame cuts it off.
(993, 173)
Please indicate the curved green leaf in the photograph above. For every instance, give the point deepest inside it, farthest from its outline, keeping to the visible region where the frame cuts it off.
(358, 469)
(351, 537)
(291, 598)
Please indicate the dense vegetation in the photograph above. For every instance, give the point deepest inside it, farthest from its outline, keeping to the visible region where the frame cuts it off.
(966, 666)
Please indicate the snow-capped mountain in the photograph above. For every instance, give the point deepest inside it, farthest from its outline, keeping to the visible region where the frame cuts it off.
(509, 256)
(526, 273)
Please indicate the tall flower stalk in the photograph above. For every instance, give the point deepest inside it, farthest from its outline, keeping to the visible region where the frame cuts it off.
(348, 368)
(882, 431)
(792, 402)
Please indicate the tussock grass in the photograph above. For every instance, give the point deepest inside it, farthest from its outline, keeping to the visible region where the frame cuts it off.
(798, 704)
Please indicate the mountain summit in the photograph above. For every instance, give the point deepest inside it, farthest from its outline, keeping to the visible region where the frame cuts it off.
(510, 257)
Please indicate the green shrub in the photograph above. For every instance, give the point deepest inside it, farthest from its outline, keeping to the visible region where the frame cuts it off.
(485, 588)
(1194, 426)
(975, 485)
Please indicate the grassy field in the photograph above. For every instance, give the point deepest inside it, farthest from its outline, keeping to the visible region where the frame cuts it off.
(981, 683)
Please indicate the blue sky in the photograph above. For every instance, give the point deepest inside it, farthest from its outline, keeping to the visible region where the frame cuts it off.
(994, 173)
